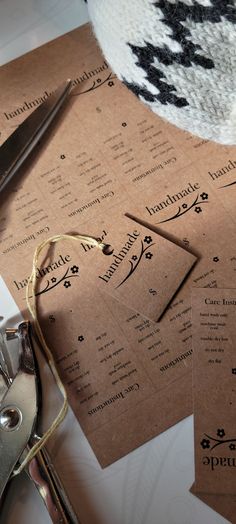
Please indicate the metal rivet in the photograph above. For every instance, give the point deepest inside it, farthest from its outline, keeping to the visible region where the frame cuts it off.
(107, 249)
(10, 418)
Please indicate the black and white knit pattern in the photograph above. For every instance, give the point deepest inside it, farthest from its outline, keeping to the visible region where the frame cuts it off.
(179, 57)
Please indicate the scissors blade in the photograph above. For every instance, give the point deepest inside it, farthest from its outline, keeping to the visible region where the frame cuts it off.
(19, 145)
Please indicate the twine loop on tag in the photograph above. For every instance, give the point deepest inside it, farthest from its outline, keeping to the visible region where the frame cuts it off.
(32, 307)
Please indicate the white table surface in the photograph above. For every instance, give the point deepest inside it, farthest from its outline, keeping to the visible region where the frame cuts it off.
(150, 485)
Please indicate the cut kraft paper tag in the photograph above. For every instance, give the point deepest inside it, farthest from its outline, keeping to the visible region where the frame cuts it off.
(143, 270)
(214, 398)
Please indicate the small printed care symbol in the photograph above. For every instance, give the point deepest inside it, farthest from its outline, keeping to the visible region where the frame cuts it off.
(152, 292)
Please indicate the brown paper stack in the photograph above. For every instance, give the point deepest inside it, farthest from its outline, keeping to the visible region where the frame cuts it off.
(109, 157)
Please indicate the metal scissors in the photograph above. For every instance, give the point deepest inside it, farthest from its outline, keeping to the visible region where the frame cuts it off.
(19, 145)
(20, 390)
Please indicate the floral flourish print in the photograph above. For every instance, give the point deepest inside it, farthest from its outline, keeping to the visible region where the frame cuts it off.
(212, 442)
(136, 259)
(53, 282)
(109, 80)
(205, 443)
(148, 240)
(228, 185)
(185, 208)
(74, 269)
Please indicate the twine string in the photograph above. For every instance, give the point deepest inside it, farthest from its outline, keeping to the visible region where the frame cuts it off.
(32, 307)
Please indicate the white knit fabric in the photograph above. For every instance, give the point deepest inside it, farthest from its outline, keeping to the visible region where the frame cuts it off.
(179, 57)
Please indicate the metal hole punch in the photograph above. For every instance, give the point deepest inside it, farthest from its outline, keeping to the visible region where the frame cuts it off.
(20, 391)
(20, 414)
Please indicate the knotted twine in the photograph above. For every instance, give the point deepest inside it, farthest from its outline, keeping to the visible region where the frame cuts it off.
(32, 307)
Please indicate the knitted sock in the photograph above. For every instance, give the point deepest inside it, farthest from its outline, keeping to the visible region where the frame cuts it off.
(179, 57)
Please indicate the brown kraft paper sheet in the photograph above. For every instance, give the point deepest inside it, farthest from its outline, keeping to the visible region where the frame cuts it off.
(108, 155)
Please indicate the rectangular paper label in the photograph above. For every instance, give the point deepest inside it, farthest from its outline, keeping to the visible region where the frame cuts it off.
(214, 389)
